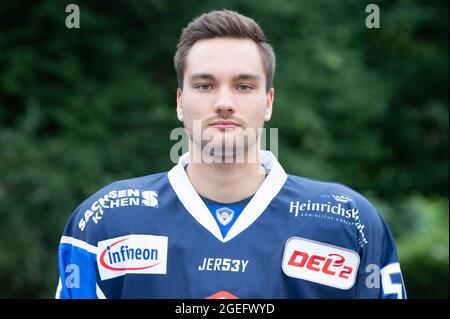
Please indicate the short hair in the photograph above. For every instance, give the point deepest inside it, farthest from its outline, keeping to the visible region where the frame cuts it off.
(224, 24)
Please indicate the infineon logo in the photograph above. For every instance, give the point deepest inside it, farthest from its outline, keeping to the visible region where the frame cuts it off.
(132, 254)
(320, 263)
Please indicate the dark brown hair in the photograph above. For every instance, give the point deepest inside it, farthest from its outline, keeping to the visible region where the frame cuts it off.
(224, 24)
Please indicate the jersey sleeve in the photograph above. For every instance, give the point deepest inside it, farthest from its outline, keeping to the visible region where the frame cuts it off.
(77, 262)
(392, 284)
(380, 274)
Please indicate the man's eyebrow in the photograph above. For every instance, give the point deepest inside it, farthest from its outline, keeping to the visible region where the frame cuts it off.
(201, 76)
(246, 76)
(207, 76)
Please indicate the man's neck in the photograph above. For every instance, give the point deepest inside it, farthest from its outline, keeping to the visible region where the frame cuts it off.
(226, 182)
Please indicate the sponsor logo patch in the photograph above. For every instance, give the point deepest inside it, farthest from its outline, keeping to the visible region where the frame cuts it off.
(342, 210)
(320, 263)
(132, 254)
(115, 199)
(222, 295)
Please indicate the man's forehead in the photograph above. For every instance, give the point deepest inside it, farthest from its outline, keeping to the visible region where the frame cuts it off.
(224, 41)
(224, 55)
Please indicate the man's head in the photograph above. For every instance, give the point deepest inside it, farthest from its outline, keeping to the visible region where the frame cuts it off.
(224, 24)
(225, 72)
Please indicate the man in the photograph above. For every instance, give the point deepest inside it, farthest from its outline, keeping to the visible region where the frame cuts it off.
(227, 221)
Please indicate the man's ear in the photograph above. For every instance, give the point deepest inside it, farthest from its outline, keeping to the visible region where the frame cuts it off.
(179, 105)
(269, 104)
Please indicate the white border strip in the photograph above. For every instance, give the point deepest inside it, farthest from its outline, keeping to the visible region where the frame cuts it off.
(78, 243)
(100, 294)
(263, 197)
(190, 199)
(58, 290)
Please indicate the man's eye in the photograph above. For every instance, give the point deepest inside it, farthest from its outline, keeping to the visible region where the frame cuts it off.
(204, 87)
(244, 87)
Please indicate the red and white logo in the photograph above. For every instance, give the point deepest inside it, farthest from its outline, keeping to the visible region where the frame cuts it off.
(222, 295)
(133, 254)
(320, 263)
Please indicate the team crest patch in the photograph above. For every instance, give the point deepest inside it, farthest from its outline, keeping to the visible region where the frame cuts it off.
(224, 215)
(320, 263)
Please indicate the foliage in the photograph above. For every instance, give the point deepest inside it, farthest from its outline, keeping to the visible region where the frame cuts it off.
(80, 108)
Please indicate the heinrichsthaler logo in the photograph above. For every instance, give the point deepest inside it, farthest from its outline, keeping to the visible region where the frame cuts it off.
(118, 198)
(341, 210)
(134, 254)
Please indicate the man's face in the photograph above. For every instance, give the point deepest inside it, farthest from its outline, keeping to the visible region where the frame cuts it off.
(225, 89)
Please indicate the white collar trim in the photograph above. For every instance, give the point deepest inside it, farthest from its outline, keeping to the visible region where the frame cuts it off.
(197, 208)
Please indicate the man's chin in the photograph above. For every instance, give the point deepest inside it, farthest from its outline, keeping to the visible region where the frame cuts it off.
(226, 152)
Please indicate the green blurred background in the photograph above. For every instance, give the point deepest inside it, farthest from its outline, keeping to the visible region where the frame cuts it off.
(80, 108)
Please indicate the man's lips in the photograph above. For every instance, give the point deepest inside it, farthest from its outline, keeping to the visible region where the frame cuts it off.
(224, 124)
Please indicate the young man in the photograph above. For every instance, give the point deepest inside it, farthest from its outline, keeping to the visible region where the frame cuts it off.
(215, 226)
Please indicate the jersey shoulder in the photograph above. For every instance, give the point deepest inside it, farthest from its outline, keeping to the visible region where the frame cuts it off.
(330, 191)
(124, 195)
(339, 197)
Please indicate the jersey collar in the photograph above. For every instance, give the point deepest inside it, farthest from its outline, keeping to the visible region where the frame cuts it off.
(196, 207)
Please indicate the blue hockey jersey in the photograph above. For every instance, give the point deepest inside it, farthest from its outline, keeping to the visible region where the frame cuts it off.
(154, 237)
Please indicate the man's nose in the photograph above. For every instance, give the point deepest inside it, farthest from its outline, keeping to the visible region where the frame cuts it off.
(224, 103)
